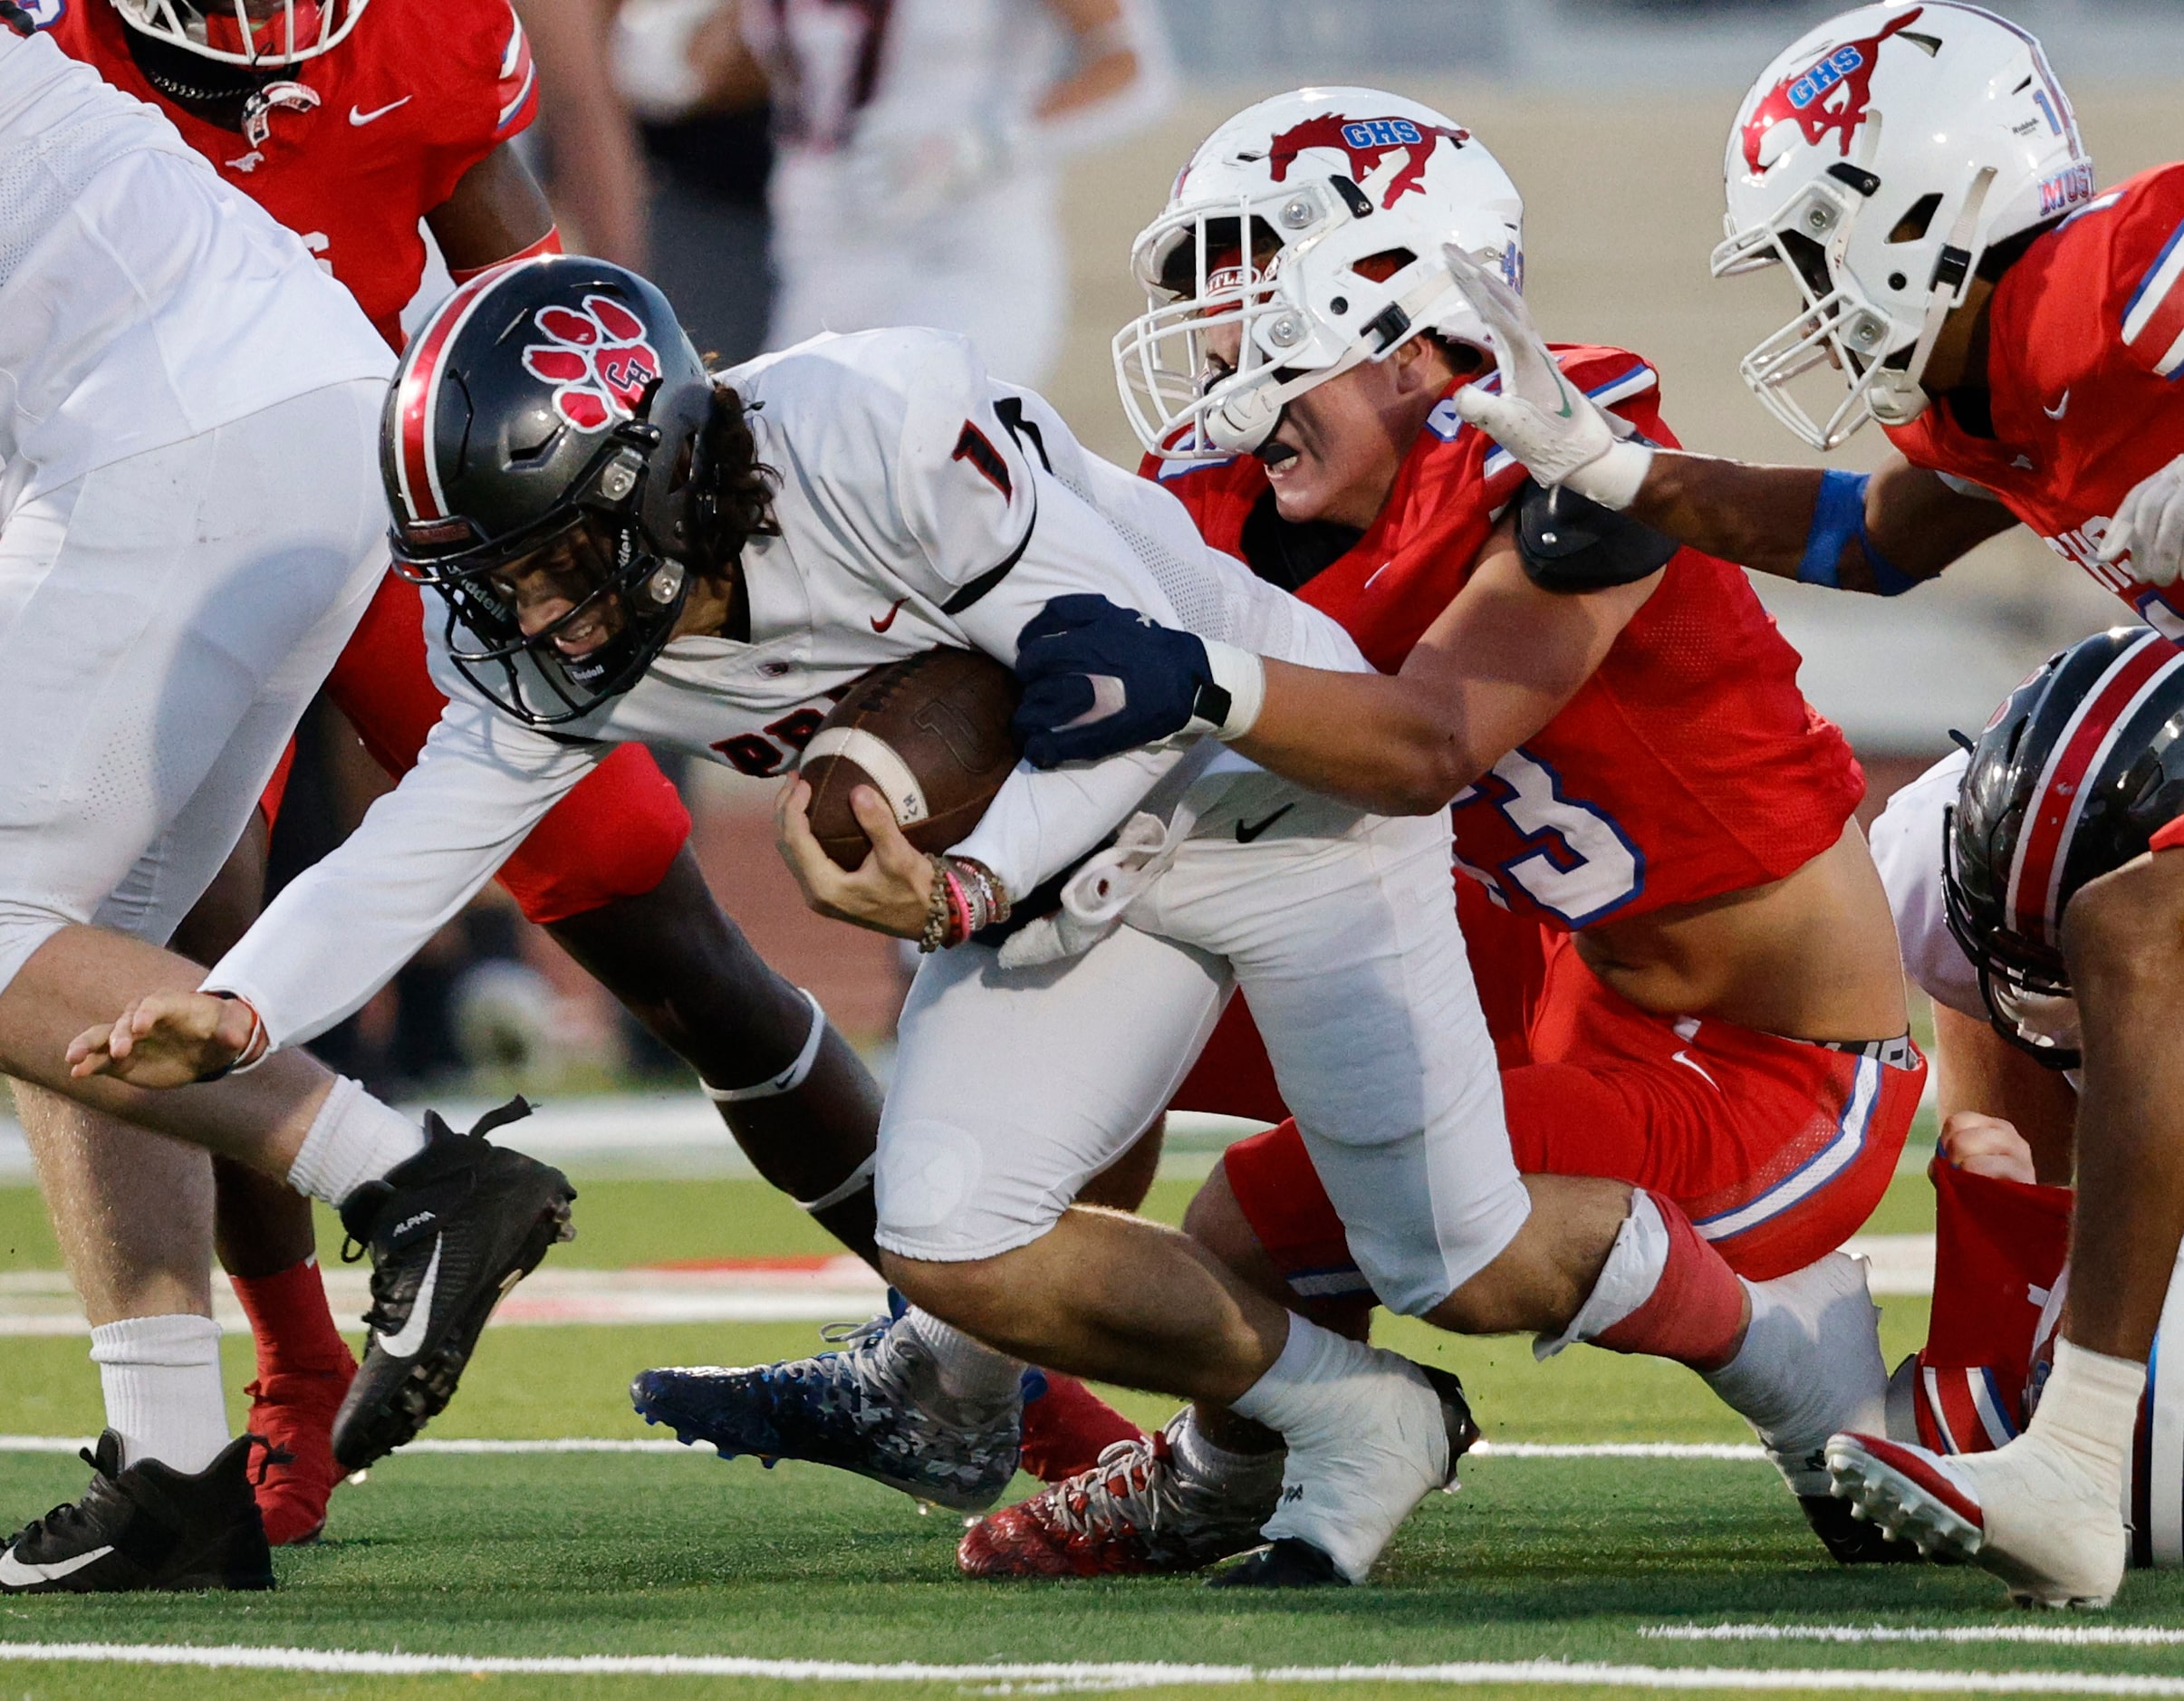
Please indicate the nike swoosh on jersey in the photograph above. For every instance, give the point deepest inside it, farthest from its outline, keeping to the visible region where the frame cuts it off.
(15, 1573)
(2059, 409)
(360, 118)
(411, 1339)
(1246, 832)
(881, 623)
(1685, 1059)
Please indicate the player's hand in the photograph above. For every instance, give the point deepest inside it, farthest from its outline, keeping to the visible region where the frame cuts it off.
(1555, 429)
(1982, 1144)
(1100, 678)
(890, 891)
(169, 1039)
(2149, 525)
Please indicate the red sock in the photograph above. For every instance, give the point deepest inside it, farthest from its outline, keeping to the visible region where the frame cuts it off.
(290, 1322)
(1066, 1429)
(1695, 1310)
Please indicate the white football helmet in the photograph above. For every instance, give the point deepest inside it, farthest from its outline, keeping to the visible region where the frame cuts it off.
(1323, 181)
(247, 32)
(1879, 157)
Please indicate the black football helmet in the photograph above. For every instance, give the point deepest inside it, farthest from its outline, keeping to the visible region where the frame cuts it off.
(2072, 777)
(552, 403)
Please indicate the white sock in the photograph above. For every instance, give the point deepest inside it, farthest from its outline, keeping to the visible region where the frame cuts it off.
(353, 1139)
(2090, 1407)
(970, 1371)
(161, 1376)
(1204, 1461)
(1301, 1394)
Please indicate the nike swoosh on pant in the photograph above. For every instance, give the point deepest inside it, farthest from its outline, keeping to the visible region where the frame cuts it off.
(15, 1573)
(1247, 833)
(406, 1343)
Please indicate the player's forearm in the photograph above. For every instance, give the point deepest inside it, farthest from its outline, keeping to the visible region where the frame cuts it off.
(1383, 743)
(1758, 516)
(1042, 820)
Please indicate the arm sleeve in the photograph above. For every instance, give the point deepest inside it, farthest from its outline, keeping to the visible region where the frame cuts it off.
(342, 929)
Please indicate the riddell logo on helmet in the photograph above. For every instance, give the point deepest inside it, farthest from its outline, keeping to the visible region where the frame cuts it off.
(1832, 95)
(598, 360)
(1366, 141)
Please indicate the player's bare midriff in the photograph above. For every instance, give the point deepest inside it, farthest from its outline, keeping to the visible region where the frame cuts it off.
(1810, 956)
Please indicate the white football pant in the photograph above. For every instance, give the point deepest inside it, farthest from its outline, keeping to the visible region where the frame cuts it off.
(1013, 1087)
(164, 620)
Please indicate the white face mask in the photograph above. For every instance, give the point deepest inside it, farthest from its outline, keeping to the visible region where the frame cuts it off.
(2042, 1018)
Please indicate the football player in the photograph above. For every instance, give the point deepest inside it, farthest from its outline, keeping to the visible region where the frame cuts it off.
(2069, 782)
(1916, 171)
(1719, 1016)
(350, 123)
(188, 535)
(649, 554)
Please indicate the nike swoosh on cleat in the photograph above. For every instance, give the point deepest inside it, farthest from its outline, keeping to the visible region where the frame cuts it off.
(359, 118)
(411, 1337)
(880, 624)
(15, 1573)
(1247, 833)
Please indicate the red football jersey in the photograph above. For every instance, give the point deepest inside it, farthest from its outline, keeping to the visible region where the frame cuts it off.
(1686, 766)
(419, 92)
(2085, 369)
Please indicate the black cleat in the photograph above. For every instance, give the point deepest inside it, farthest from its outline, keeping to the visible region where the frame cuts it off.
(450, 1232)
(1852, 1540)
(148, 1527)
(1287, 1563)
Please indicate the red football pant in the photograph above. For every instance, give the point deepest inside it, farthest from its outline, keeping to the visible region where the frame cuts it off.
(1776, 1149)
(613, 836)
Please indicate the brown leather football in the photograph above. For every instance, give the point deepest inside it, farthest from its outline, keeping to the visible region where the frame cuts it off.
(930, 734)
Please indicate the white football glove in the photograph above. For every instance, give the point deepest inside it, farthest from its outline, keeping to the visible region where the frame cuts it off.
(2149, 527)
(1552, 426)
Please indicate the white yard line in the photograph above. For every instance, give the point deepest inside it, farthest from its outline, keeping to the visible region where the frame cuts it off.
(1705, 1450)
(1089, 1675)
(41, 1302)
(2048, 1635)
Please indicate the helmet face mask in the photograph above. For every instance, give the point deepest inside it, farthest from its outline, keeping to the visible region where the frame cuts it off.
(1902, 141)
(574, 459)
(1326, 181)
(247, 32)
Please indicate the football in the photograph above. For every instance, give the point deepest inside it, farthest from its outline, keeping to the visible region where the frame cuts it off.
(930, 734)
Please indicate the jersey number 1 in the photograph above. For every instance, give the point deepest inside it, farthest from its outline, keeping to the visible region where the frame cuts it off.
(1576, 862)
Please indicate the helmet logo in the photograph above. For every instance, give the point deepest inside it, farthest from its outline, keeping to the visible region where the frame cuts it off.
(1832, 95)
(598, 359)
(1366, 141)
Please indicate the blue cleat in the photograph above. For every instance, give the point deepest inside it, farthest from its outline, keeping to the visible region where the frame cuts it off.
(873, 1407)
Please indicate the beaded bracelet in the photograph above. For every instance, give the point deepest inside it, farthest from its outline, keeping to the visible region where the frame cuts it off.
(967, 897)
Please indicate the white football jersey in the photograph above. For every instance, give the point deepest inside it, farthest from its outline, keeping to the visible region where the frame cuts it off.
(141, 302)
(919, 504)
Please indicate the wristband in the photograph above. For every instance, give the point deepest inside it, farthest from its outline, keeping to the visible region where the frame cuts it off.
(1612, 479)
(256, 1045)
(1839, 518)
(1231, 702)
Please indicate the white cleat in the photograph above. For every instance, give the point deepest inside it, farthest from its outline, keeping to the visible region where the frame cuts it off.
(1811, 1368)
(2030, 1512)
(1343, 1494)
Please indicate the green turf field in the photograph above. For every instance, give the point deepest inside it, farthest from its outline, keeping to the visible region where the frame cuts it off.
(646, 1555)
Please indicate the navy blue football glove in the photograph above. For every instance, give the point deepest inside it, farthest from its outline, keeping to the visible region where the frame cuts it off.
(1099, 679)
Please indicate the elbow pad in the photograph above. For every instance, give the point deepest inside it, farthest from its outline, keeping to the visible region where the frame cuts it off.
(1570, 544)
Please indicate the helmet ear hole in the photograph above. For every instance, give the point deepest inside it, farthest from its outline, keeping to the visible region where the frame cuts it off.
(1914, 222)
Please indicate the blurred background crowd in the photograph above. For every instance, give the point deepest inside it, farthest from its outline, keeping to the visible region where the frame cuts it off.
(783, 166)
